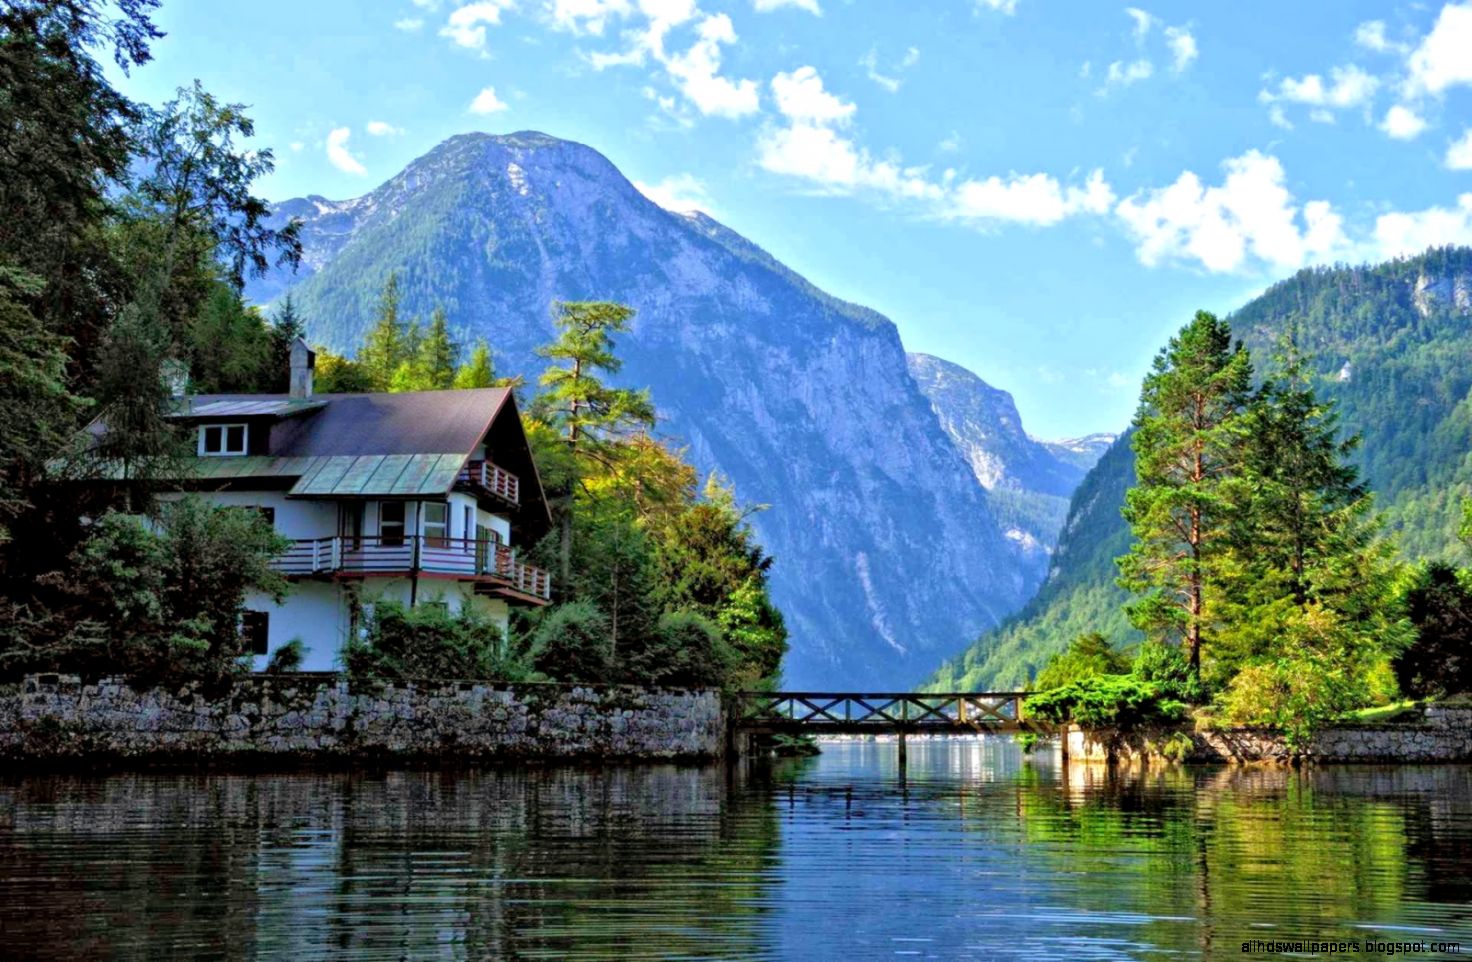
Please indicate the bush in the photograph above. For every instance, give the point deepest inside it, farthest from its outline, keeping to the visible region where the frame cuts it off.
(571, 643)
(1439, 661)
(687, 652)
(1088, 656)
(1123, 702)
(1166, 666)
(428, 641)
(1294, 696)
(287, 658)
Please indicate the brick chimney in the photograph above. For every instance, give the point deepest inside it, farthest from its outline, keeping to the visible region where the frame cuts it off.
(303, 360)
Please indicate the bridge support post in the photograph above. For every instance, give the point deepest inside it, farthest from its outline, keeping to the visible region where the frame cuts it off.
(901, 740)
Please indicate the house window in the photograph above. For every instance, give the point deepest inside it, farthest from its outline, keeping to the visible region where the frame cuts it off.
(467, 523)
(255, 627)
(221, 440)
(436, 524)
(391, 523)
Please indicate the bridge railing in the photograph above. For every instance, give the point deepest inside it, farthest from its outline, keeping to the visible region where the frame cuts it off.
(815, 711)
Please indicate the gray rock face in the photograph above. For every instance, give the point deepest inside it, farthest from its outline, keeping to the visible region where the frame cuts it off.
(888, 554)
(1029, 481)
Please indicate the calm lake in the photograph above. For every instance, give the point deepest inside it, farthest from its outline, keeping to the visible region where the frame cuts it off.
(978, 853)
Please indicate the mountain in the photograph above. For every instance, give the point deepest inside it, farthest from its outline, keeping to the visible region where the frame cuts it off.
(1390, 344)
(1029, 481)
(886, 548)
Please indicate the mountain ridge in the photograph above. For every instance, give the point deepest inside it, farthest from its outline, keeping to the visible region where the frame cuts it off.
(886, 551)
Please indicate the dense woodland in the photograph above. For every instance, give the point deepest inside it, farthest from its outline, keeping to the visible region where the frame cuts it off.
(1266, 587)
(128, 233)
(1383, 343)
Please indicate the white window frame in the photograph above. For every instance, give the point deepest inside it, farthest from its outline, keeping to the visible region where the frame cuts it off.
(441, 540)
(224, 429)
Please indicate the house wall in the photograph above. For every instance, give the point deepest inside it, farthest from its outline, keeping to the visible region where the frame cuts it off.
(317, 612)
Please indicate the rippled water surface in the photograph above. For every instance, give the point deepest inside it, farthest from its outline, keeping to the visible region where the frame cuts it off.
(975, 854)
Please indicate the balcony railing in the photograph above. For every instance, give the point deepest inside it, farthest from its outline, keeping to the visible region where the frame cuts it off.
(493, 479)
(409, 554)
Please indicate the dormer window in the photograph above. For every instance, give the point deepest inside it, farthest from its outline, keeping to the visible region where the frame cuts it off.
(221, 440)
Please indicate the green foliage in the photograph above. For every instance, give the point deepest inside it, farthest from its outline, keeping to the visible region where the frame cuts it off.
(687, 652)
(287, 658)
(571, 643)
(1438, 662)
(429, 641)
(1188, 462)
(33, 393)
(230, 346)
(339, 375)
(1121, 702)
(384, 348)
(159, 601)
(1166, 667)
(479, 371)
(1088, 656)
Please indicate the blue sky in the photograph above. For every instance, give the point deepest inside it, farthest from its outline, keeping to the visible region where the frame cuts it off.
(1041, 191)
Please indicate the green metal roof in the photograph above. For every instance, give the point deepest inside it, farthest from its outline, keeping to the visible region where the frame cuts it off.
(336, 476)
(401, 475)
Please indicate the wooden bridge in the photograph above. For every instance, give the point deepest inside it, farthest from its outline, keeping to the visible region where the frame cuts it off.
(833, 713)
(878, 713)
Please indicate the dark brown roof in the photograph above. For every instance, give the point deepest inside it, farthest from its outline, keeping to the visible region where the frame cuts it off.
(414, 422)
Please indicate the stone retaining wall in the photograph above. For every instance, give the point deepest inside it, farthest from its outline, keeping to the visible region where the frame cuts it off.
(1445, 735)
(267, 719)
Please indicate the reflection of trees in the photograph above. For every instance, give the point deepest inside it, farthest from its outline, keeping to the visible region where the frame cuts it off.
(1256, 852)
(508, 864)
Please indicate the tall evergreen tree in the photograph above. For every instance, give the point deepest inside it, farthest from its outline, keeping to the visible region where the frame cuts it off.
(439, 354)
(383, 349)
(286, 327)
(1188, 462)
(589, 415)
(479, 371)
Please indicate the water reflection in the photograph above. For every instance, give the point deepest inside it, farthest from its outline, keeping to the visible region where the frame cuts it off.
(975, 854)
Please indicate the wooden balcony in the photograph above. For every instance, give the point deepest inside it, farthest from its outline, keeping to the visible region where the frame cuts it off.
(484, 562)
(488, 478)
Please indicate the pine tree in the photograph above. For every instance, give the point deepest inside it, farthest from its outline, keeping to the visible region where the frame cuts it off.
(479, 371)
(590, 416)
(383, 349)
(287, 326)
(439, 353)
(1188, 463)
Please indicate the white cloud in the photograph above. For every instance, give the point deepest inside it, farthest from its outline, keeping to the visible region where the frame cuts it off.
(1348, 87)
(338, 155)
(1371, 35)
(800, 97)
(409, 24)
(1459, 154)
(382, 128)
(430, 5)
(870, 63)
(1028, 199)
(1143, 22)
(467, 23)
(297, 146)
(1183, 48)
(1278, 118)
(812, 146)
(1251, 216)
(587, 16)
(951, 144)
(1444, 57)
(1402, 123)
(1123, 74)
(697, 72)
(680, 193)
(1403, 233)
(1008, 7)
(766, 6)
(486, 102)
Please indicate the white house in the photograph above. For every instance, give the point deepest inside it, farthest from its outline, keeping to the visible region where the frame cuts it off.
(418, 497)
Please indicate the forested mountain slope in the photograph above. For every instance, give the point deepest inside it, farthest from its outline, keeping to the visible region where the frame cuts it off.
(1391, 344)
